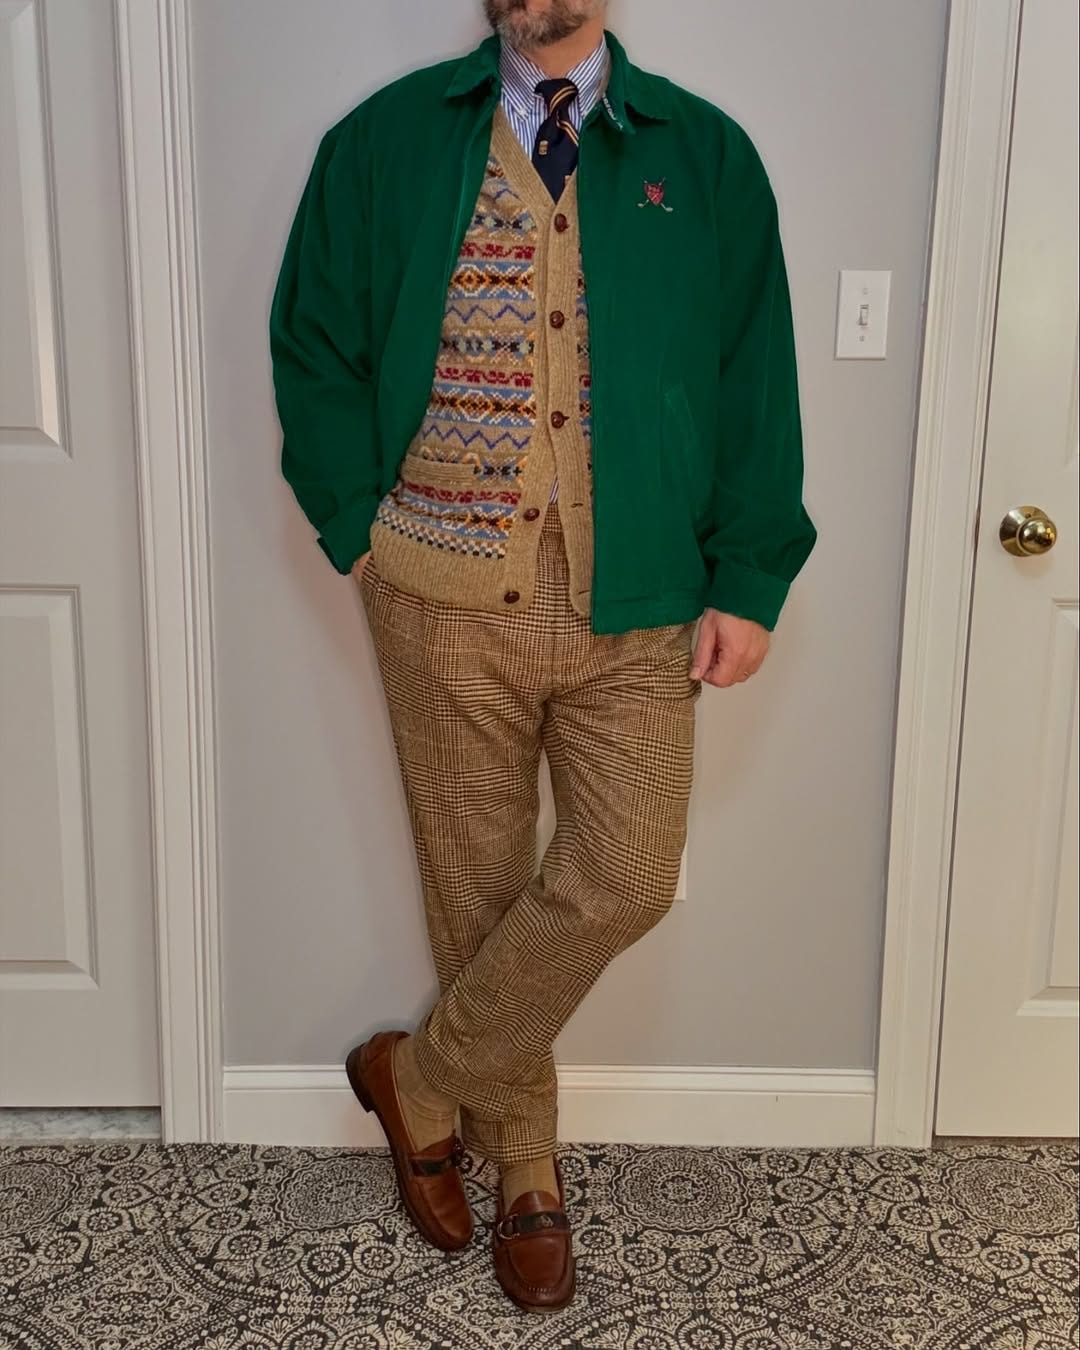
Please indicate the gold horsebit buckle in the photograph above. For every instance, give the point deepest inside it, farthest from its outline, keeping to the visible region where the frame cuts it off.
(526, 1225)
(433, 1167)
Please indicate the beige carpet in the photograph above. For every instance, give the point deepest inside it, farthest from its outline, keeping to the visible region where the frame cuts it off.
(135, 1246)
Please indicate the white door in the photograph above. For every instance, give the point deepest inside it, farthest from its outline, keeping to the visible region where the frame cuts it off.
(1009, 1046)
(77, 975)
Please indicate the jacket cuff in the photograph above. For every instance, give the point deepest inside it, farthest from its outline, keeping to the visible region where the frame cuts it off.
(347, 535)
(747, 593)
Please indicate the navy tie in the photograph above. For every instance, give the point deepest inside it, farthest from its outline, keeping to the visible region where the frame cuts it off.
(555, 153)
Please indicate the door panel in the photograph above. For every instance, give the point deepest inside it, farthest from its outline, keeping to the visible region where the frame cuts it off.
(1010, 1018)
(77, 993)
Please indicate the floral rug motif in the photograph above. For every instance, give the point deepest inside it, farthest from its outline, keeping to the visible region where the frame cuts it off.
(137, 1246)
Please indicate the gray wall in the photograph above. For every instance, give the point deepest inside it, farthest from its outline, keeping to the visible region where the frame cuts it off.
(773, 959)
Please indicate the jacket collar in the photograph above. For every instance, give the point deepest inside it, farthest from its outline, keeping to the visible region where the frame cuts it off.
(628, 86)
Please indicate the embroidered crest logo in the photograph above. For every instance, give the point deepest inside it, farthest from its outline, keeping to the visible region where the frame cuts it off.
(654, 195)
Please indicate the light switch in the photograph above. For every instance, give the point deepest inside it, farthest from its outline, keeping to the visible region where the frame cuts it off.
(862, 315)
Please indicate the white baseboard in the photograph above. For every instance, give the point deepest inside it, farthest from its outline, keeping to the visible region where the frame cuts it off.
(827, 1108)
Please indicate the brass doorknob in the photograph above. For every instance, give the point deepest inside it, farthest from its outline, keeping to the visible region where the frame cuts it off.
(1027, 531)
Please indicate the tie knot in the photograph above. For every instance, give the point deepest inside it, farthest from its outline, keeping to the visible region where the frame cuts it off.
(557, 93)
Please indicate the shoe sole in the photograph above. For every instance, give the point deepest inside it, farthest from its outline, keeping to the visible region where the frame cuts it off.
(539, 1307)
(356, 1082)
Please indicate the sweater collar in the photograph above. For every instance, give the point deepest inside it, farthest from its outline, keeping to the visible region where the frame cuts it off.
(628, 86)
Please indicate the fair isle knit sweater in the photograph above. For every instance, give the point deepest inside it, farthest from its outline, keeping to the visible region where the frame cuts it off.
(509, 406)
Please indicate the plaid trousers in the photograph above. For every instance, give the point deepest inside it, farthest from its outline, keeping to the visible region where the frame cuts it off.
(472, 697)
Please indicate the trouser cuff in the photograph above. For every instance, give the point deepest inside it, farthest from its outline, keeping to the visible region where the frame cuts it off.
(518, 1130)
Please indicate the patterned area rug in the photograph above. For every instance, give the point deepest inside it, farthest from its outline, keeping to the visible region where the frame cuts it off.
(135, 1246)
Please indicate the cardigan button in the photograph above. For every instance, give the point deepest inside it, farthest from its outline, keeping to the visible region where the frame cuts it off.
(511, 597)
(558, 318)
(558, 419)
(561, 223)
(531, 513)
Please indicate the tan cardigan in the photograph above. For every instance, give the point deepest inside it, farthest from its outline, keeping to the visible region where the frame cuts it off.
(509, 406)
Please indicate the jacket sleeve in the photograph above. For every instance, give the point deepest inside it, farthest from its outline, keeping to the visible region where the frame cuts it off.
(320, 346)
(761, 533)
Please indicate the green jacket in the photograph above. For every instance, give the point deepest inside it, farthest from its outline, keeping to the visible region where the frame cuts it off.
(696, 433)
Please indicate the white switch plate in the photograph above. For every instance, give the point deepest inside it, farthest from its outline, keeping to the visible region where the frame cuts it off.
(862, 315)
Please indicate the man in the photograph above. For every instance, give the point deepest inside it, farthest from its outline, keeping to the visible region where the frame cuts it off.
(534, 363)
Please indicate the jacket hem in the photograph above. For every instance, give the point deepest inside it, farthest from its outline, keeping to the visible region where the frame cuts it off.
(621, 616)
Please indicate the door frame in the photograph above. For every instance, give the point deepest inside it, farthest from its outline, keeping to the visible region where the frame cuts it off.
(153, 63)
(961, 311)
(153, 71)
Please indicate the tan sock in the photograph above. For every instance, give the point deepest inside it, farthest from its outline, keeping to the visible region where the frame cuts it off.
(429, 1114)
(538, 1175)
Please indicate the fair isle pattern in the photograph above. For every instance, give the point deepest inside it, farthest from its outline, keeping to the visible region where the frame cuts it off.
(482, 410)
(482, 399)
(472, 521)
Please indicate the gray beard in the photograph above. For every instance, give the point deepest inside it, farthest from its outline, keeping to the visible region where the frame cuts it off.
(517, 28)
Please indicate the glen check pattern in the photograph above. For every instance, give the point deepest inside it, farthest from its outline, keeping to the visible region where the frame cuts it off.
(472, 699)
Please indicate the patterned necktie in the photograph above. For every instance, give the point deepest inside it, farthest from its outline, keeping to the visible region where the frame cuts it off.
(556, 150)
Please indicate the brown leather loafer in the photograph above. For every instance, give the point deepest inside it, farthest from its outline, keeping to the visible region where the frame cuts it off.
(429, 1179)
(533, 1250)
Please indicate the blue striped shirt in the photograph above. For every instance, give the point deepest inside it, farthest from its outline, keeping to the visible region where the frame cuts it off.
(525, 109)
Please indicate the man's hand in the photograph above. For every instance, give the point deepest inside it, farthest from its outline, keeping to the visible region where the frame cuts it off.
(359, 565)
(728, 649)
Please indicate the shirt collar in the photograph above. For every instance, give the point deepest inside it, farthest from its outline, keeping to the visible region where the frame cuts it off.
(520, 77)
(627, 86)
